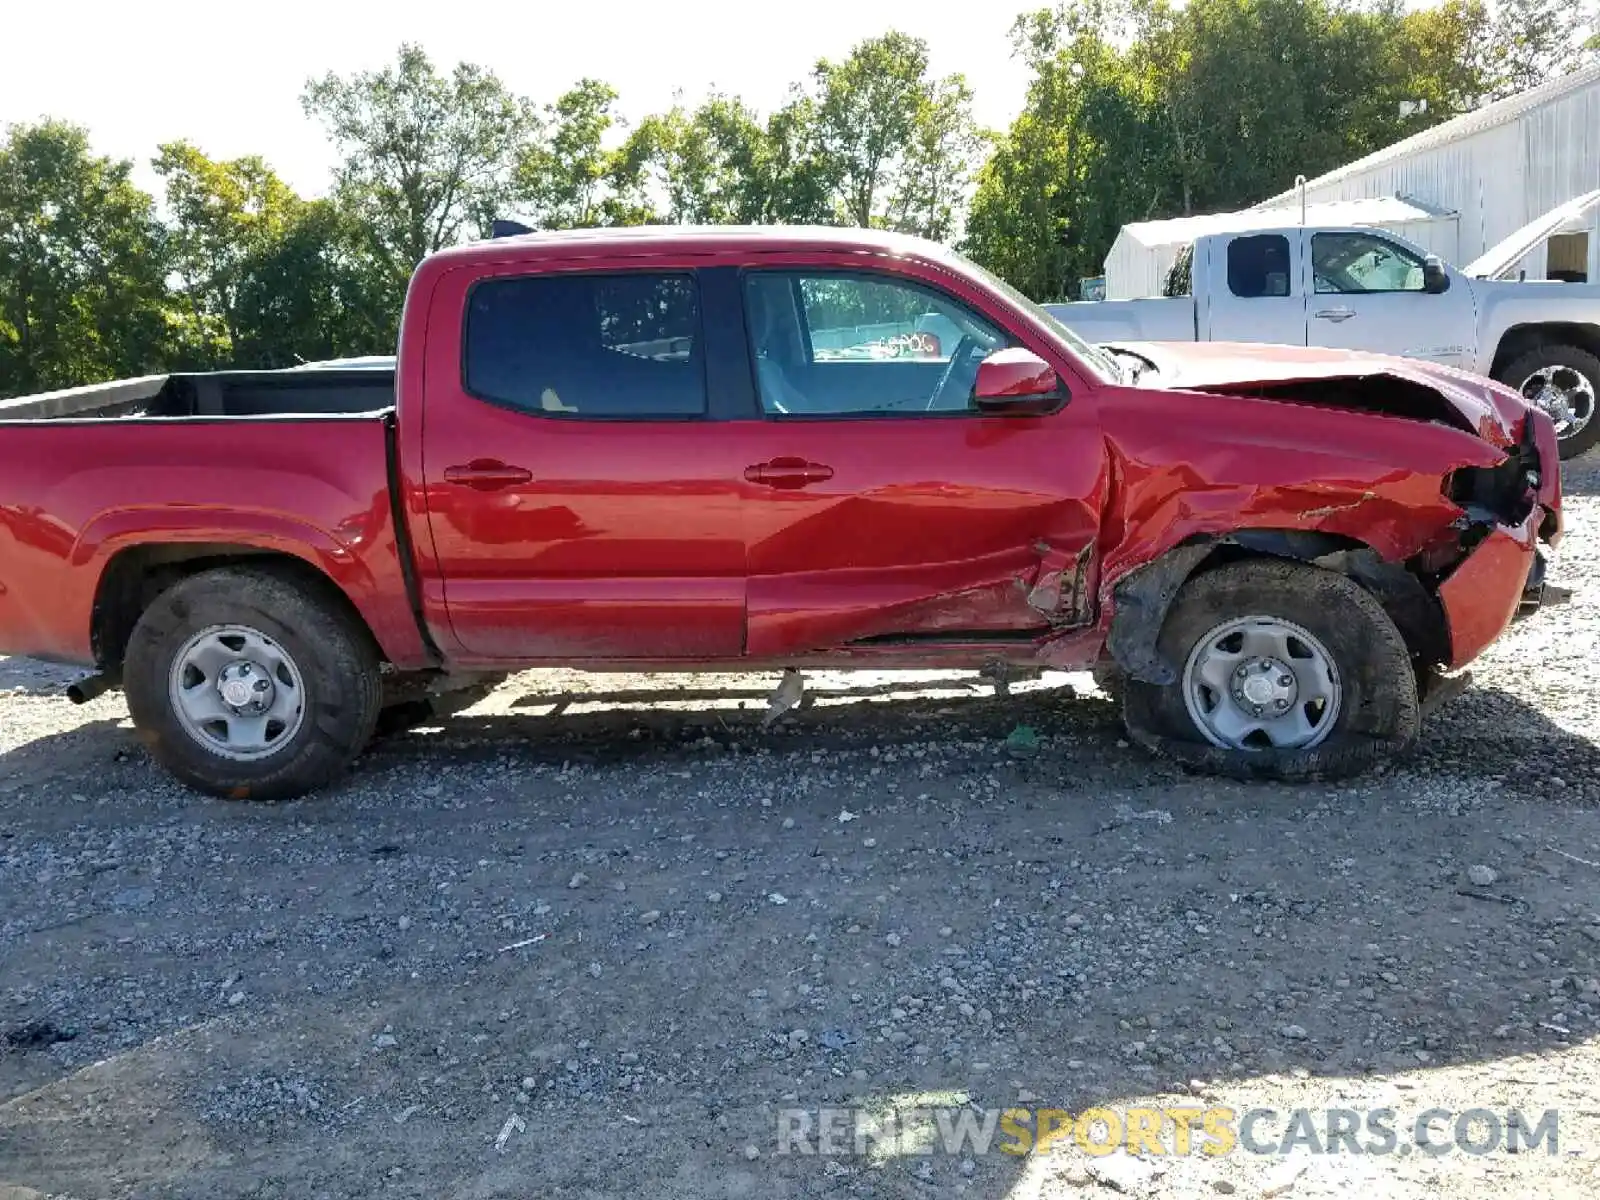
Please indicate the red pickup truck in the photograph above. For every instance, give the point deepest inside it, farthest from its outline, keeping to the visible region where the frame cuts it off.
(771, 448)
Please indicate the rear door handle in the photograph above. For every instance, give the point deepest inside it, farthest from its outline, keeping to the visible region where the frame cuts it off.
(1335, 314)
(788, 473)
(487, 475)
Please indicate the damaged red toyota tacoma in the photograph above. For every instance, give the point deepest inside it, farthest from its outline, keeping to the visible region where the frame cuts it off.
(685, 449)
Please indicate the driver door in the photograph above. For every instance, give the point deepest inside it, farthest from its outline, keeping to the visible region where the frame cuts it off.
(880, 503)
(1365, 292)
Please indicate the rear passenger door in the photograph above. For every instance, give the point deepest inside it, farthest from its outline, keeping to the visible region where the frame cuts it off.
(580, 504)
(1255, 291)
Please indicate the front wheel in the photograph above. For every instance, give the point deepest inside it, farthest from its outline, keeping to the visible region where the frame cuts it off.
(1284, 671)
(247, 684)
(1563, 381)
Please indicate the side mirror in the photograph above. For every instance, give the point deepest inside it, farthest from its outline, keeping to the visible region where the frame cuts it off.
(1017, 381)
(1435, 279)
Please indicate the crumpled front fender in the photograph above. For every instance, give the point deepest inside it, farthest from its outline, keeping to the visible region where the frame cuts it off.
(1482, 594)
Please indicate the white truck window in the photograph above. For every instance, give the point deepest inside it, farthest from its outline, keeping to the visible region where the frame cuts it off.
(1180, 279)
(1258, 266)
(1354, 263)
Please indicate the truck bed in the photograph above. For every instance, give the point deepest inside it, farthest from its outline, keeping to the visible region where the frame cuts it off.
(83, 495)
(211, 394)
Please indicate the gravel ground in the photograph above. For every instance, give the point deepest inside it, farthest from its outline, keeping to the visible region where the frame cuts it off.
(879, 902)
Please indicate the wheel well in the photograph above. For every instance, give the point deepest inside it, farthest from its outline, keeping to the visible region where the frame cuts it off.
(1144, 596)
(1519, 339)
(136, 576)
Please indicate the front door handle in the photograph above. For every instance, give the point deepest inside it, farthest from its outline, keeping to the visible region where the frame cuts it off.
(487, 475)
(1335, 314)
(788, 473)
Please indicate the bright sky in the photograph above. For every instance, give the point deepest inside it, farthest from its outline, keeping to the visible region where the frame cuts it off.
(228, 76)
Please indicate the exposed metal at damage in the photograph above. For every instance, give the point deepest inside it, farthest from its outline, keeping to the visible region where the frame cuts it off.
(1060, 589)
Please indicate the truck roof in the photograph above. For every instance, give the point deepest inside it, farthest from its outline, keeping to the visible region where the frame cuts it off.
(709, 239)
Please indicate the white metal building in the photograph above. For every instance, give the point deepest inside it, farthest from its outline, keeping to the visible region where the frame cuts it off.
(1462, 186)
(1498, 167)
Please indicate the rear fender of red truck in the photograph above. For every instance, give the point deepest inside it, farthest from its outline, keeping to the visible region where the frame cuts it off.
(132, 556)
(83, 551)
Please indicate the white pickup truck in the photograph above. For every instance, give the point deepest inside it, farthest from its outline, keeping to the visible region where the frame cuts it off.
(1367, 289)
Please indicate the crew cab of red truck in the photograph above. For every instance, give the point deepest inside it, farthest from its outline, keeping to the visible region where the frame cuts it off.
(771, 448)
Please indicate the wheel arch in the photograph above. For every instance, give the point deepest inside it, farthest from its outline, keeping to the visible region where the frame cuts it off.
(1518, 339)
(1144, 596)
(135, 576)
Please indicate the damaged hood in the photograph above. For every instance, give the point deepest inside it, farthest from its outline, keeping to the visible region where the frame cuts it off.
(1479, 406)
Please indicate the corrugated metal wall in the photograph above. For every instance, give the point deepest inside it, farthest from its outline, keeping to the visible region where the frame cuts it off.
(1499, 178)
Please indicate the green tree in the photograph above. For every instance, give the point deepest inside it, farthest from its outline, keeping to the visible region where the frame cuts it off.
(313, 292)
(894, 145)
(428, 158)
(571, 178)
(83, 296)
(697, 163)
(1534, 41)
(221, 216)
(1091, 149)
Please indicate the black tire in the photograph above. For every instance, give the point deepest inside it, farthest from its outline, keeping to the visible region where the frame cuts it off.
(1378, 715)
(1521, 368)
(336, 659)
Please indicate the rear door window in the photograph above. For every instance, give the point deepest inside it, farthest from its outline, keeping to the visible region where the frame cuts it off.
(1258, 266)
(580, 345)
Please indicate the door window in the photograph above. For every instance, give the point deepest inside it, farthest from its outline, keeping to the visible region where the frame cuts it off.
(849, 344)
(1355, 263)
(580, 345)
(1180, 277)
(1258, 266)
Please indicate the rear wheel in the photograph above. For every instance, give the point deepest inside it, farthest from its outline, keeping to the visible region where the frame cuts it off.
(1284, 671)
(249, 685)
(1563, 381)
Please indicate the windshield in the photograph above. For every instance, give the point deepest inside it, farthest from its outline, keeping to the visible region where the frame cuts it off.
(1097, 359)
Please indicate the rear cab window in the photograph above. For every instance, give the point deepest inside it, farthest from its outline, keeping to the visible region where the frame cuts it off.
(580, 345)
(1259, 266)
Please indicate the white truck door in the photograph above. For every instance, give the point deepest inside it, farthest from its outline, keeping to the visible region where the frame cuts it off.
(1368, 292)
(1253, 291)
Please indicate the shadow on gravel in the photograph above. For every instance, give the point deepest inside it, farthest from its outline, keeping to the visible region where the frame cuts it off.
(1485, 731)
(493, 965)
(29, 677)
(96, 746)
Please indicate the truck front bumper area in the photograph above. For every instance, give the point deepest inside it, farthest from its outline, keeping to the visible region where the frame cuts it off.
(1502, 578)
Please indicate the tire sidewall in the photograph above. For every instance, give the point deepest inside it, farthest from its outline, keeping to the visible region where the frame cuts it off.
(1378, 696)
(340, 684)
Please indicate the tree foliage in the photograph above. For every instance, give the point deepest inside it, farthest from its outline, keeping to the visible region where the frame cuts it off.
(428, 158)
(82, 290)
(1139, 109)
(1136, 109)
